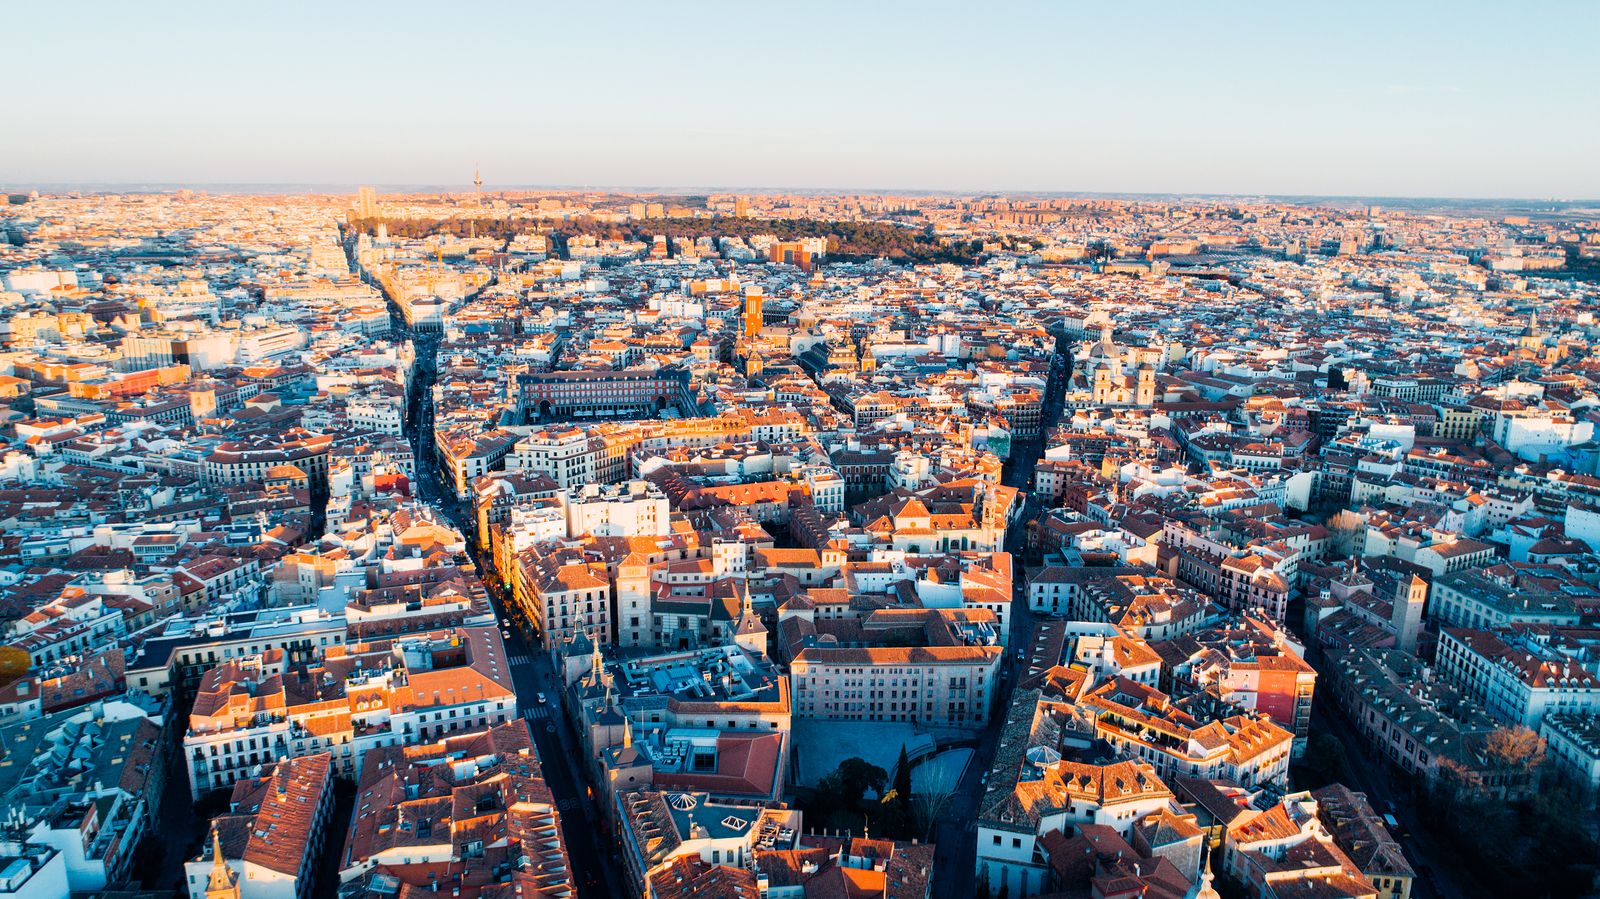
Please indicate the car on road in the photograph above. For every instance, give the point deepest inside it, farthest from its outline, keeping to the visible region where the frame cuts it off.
(542, 699)
(505, 632)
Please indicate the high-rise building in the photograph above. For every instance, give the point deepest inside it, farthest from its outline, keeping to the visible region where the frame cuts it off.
(366, 203)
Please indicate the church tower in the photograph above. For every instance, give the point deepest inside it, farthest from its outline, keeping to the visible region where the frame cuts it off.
(1531, 339)
(633, 601)
(1102, 385)
(223, 883)
(1145, 389)
(752, 311)
(1410, 594)
(750, 633)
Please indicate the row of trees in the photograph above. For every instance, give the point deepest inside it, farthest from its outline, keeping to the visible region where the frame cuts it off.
(455, 226)
(847, 241)
(1542, 845)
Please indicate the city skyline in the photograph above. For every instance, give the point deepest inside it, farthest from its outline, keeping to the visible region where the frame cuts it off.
(1255, 100)
(894, 450)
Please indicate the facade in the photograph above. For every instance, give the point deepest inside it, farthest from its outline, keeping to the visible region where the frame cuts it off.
(1059, 797)
(547, 396)
(251, 712)
(923, 666)
(634, 509)
(1516, 678)
(1471, 599)
(562, 596)
(241, 462)
(1572, 743)
(1252, 666)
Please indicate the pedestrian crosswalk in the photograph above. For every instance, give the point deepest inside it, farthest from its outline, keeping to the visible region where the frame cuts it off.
(520, 658)
(536, 713)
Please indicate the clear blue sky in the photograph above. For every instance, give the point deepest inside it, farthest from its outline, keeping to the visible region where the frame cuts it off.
(1383, 99)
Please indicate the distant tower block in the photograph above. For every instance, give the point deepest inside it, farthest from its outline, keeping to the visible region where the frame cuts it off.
(477, 183)
(752, 311)
(741, 207)
(366, 203)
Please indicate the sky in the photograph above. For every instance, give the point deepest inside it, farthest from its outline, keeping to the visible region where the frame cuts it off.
(1413, 99)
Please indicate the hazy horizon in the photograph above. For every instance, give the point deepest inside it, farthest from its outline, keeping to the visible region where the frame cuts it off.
(1465, 100)
(245, 188)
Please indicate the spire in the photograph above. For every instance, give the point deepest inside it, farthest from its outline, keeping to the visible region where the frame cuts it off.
(219, 867)
(1203, 888)
(222, 883)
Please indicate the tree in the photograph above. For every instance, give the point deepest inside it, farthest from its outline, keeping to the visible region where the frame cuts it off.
(902, 782)
(1514, 748)
(854, 777)
(1325, 757)
(894, 813)
(836, 801)
(939, 784)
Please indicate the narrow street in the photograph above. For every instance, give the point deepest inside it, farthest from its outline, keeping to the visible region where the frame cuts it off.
(1392, 794)
(532, 673)
(955, 828)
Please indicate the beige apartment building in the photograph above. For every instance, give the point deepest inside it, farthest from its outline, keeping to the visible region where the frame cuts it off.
(937, 685)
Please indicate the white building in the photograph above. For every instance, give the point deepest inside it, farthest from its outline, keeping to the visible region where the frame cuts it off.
(1055, 795)
(1514, 677)
(634, 509)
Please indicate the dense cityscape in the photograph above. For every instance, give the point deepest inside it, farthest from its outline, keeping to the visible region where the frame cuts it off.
(497, 543)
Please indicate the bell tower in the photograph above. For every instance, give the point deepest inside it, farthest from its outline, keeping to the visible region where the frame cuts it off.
(1145, 387)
